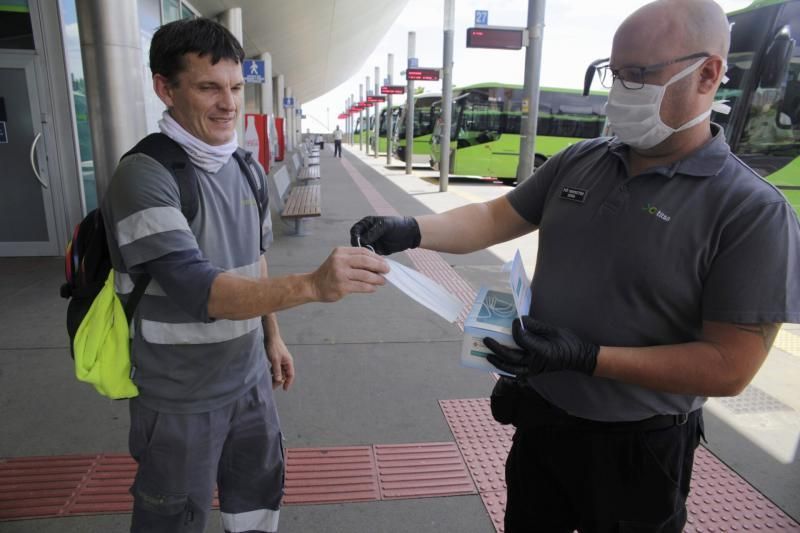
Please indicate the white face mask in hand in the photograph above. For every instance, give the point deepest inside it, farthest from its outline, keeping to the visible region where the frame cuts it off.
(424, 290)
(635, 114)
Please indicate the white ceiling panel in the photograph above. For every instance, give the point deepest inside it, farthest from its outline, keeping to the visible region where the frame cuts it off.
(315, 44)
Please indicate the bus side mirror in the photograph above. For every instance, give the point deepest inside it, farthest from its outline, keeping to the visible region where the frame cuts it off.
(776, 60)
(589, 76)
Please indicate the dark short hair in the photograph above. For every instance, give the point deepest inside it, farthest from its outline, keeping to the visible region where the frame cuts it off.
(200, 36)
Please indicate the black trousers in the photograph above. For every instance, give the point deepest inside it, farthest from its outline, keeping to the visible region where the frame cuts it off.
(564, 477)
(337, 148)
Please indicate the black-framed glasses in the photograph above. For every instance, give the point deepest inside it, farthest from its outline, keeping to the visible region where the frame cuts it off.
(634, 77)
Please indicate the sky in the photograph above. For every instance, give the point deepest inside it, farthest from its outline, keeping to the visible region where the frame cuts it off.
(576, 32)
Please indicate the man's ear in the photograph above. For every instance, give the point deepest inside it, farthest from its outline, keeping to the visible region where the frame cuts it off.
(163, 88)
(711, 74)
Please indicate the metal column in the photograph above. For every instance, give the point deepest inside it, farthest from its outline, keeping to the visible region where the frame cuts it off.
(112, 62)
(232, 19)
(351, 117)
(289, 122)
(361, 117)
(365, 128)
(412, 50)
(389, 111)
(278, 89)
(447, 94)
(266, 87)
(377, 109)
(530, 92)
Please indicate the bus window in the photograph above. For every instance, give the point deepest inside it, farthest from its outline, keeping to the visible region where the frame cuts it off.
(480, 122)
(773, 119)
(747, 37)
(544, 124)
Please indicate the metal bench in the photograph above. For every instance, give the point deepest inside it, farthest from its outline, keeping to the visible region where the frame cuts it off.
(296, 203)
(308, 173)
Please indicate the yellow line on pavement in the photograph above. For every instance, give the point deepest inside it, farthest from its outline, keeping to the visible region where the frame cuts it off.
(788, 342)
(468, 196)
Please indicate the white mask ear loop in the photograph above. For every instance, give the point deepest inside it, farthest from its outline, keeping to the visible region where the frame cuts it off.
(368, 247)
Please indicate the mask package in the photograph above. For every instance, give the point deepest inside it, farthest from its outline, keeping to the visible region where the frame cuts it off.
(492, 314)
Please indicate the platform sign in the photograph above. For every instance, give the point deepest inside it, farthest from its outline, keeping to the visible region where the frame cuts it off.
(253, 71)
(413, 62)
(3, 133)
(481, 18)
(376, 99)
(422, 74)
(288, 101)
(495, 37)
(393, 89)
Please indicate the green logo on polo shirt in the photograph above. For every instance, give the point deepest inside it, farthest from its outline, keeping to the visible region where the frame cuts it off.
(653, 210)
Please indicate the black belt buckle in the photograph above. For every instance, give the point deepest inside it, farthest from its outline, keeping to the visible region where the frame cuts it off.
(681, 419)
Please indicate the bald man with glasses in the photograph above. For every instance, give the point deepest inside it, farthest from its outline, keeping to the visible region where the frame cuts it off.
(664, 271)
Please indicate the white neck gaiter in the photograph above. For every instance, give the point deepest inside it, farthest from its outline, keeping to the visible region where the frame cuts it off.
(209, 158)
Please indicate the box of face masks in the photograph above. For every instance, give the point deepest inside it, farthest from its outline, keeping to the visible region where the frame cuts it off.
(492, 314)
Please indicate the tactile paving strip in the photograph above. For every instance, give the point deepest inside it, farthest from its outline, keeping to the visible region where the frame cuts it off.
(495, 503)
(483, 442)
(422, 470)
(328, 475)
(753, 400)
(56, 486)
(38, 487)
(720, 499)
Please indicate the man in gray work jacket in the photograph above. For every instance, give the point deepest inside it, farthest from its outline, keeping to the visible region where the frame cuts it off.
(665, 268)
(206, 325)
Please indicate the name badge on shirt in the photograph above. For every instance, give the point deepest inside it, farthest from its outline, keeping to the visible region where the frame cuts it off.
(571, 193)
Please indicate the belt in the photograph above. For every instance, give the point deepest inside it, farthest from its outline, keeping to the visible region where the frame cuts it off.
(653, 423)
(536, 412)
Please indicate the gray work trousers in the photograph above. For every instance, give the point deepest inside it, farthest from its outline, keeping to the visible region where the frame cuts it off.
(180, 457)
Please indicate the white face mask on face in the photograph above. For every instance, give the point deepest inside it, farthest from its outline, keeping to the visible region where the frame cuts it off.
(635, 114)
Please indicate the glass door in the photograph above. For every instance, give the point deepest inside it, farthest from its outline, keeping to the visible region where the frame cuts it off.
(27, 224)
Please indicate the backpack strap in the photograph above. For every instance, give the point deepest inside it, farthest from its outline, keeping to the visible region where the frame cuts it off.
(136, 295)
(258, 184)
(176, 161)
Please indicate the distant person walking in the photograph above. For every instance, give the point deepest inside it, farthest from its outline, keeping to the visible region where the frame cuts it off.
(337, 142)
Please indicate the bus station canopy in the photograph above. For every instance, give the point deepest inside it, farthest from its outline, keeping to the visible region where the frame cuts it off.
(316, 45)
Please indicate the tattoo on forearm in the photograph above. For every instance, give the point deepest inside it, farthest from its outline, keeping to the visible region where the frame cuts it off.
(767, 332)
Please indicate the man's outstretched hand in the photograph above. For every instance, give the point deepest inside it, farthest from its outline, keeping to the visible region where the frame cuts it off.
(386, 235)
(544, 348)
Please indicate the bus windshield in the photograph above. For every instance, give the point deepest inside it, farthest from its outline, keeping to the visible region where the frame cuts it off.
(423, 118)
(382, 127)
(772, 123)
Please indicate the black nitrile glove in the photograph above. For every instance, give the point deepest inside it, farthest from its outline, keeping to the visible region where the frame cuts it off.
(544, 349)
(386, 235)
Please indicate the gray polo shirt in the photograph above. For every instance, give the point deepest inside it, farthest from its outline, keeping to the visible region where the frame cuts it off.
(644, 260)
(184, 361)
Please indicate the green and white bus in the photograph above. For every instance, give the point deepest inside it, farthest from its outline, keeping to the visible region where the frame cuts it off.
(423, 128)
(486, 122)
(763, 90)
